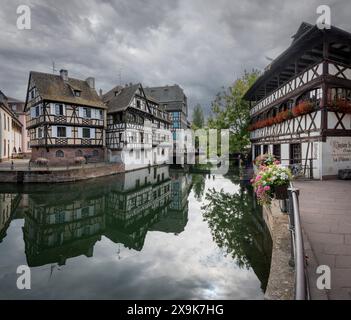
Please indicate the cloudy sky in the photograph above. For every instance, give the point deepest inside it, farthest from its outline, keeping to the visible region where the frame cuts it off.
(200, 44)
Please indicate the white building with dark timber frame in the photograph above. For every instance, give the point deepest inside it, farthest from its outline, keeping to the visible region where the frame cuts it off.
(301, 104)
(138, 129)
(65, 118)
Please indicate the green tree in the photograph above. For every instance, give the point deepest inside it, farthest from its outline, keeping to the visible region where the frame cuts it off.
(231, 111)
(198, 117)
(238, 228)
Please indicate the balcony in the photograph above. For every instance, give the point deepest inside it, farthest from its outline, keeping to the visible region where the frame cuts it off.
(64, 120)
(299, 81)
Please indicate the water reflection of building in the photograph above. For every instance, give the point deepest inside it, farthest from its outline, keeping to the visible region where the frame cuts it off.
(8, 204)
(135, 203)
(54, 233)
(176, 218)
(65, 221)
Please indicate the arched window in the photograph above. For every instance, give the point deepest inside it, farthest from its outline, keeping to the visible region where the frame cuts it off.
(95, 153)
(79, 153)
(59, 154)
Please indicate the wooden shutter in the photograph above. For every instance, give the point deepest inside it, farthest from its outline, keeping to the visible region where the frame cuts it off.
(92, 133)
(69, 132)
(54, 131)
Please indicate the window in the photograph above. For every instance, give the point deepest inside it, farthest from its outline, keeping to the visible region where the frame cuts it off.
(37, 111)
(163, 152)
(32, 94)
(257, 151)
(61, 132)
(138, 104)
(85, 212)
(86, 133)
(40, 132)
(295, 153)
(277, 151)
(265, 149)
(79, 153)
(60, 154)
(116, 118)
(77, 93)
(59, 109)
(86, 112)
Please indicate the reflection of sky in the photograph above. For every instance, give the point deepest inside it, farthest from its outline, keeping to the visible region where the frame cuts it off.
(184, 266)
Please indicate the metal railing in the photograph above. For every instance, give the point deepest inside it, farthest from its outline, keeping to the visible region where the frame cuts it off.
(297, 246)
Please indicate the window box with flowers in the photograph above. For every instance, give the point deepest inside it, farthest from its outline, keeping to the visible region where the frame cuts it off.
(341, 105)
(302, 108)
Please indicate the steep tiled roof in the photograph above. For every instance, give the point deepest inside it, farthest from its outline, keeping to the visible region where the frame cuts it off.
(122, 100)
(53, 87)
(165, 94)
(4, 105)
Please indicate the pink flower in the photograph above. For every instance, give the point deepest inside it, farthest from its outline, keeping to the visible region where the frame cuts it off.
(267, 188)
(258, 178)
(277, 162)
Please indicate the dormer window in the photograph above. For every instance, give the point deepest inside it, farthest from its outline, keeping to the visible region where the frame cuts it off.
(77, 93)
(116, 93)
(138, 104)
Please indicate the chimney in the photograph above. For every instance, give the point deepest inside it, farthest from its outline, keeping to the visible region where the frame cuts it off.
(64, 74)
(100, 93)
(91, 82)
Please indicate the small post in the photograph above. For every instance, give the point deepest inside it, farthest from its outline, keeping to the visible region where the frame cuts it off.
(12, 166)
(311, 168)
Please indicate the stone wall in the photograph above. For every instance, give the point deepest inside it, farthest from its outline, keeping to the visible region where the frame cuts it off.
(69, 154)
(53, 176)
(281, 277)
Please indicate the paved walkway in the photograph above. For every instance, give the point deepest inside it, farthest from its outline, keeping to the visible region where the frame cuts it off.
(326, 219)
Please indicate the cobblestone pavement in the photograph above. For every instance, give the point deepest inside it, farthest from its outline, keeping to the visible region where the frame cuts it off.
(326, 219)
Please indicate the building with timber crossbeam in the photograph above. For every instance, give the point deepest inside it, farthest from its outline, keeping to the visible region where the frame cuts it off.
(301, 104)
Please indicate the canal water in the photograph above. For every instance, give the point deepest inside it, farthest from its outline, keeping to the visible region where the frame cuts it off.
(155, 233)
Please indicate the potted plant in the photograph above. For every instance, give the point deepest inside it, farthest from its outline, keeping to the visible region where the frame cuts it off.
(271, 182)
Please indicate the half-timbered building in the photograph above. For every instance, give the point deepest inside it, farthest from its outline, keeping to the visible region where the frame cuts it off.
(301, 104)
(65, 118)
(138, 129)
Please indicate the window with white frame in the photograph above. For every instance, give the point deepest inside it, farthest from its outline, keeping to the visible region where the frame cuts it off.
(61, 132)
(59, 111)
(86, 112)
(40, 132)
(86, 133)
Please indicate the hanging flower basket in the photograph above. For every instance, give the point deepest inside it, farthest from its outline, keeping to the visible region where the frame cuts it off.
(281, 192)
(271, 182)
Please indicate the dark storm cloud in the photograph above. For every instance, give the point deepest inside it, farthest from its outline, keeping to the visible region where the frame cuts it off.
(200, 44)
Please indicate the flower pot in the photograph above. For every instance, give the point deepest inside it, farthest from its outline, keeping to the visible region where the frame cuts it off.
(281, 192)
